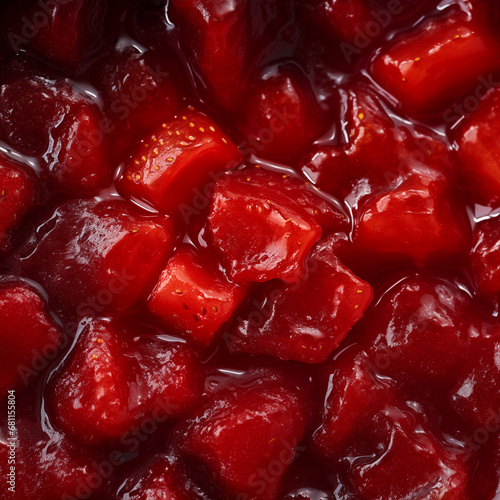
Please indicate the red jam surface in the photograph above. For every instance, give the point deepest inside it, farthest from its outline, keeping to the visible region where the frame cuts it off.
(250, 250)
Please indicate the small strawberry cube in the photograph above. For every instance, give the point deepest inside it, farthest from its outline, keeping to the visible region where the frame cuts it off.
(421, 332)
(172, 167)
(353, 394)
(356, 24)
(263, 229)
(478, 154)
(77, 162)
(18, 194)
(281, 117)
(29, 336)
(194, 298)
(93, 256)
(307, 321)
(437, 61)
(242, 432)
(67, 33)
(46, 117)
(405, 460)
(419, 222)
(484, 259)
(117, 381)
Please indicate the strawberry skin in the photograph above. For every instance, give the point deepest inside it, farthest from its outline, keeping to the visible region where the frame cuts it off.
(28, 333)
(18, 194)
(194, 297)
(172, 165)
(436, 62)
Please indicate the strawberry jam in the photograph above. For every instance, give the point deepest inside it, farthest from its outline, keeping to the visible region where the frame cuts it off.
(250, 250)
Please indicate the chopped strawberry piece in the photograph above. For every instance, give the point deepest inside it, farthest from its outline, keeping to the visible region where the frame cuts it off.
(78, 161)
(221, 39)
(140, 93)
(353, 394)
(478, 167)
(306, 321)
(194, 297)
(65, 133)
(66, 33)
(242, 432)
(366, 417)
(405, 460)
(49, 466)
(117, 382)
(175, 164)
(29, 335)
(90, 398)
(18, 194)
(437, 61)
(414, 223)
(376, 153)
(281, 117)
(263, 229)
(475, 396)
(421, 331)
(94, 256)
(485, 258)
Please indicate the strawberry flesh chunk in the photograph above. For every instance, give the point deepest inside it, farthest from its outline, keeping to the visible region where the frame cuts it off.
(307, 321)
(174, 165)
(65, 33)
(140, 93)
(113, 381)
(478, 155)
(484, 258)
(19, 192)
(438, 61)
(65, 134)
(29, 334)
(281, 117)
(193, 296)
(262, 228)
(241, 432)
(93, 256)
